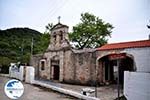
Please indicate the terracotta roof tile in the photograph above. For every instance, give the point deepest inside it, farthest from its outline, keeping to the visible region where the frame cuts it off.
(122, 45)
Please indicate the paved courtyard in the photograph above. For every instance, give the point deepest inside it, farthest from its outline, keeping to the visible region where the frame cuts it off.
(104, 92)
(32, 92)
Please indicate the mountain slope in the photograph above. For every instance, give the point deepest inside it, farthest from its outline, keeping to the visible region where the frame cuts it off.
(15, 44)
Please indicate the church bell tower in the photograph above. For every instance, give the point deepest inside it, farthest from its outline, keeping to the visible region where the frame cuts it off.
(59, 37)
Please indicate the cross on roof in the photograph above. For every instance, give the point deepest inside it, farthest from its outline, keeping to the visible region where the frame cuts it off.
(59, 19)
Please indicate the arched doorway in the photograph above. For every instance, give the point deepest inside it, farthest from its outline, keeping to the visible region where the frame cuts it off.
(110, 70)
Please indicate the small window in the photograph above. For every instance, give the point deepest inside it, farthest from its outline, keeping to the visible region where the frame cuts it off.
(42, 65)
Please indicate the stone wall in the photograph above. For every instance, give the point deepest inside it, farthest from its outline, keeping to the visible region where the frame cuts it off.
(76, 66)
(68, 67)
(85, 67)
(34, 61)
(79, 67)
(48, 56)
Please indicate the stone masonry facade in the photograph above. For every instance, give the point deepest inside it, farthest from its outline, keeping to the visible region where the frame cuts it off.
(75, 66)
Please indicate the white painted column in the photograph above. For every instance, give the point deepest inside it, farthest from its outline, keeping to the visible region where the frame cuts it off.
(21, 71)
(10, 72)
(30, 74)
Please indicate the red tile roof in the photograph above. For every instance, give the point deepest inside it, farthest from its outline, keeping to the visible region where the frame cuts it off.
(123, 45)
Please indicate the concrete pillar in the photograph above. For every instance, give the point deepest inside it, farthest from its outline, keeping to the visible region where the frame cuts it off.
(21, 71)
(10, 72)
(30, 74)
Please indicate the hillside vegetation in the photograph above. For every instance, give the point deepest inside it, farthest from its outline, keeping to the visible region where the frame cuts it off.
(15, 44)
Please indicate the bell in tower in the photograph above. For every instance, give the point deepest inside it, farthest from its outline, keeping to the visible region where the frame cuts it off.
(59, 36)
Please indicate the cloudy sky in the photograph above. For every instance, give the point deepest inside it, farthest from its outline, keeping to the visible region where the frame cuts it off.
(129, 17)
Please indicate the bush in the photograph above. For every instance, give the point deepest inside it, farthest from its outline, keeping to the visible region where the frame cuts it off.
(4, 69)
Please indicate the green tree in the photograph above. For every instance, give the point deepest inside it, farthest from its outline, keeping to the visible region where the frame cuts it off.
(91, 32)
(43, 43)
(48, 27)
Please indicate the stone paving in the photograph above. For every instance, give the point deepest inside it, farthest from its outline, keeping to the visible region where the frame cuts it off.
(103, 92)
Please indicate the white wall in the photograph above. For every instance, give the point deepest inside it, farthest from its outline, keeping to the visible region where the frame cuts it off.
(137, 85)
(18, 74)
(30, 74)
(141, 58)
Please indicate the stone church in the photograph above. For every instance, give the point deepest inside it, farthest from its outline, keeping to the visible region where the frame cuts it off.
(63, 63)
